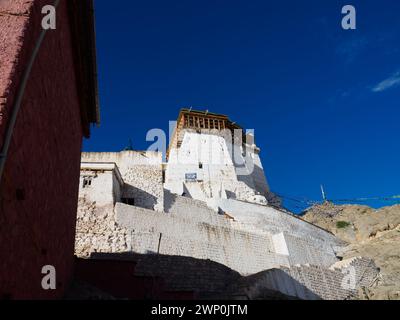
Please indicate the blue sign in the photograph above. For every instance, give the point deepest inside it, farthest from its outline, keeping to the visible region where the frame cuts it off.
(191, 176)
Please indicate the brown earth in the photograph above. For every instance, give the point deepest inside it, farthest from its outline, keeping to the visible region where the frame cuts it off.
(369, 233)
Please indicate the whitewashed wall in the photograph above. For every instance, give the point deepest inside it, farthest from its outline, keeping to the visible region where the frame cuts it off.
(171, 234)
(222, 168)
(141, 172)
(306, 243)
(105, 183)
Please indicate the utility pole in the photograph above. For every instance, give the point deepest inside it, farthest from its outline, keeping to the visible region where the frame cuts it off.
(323, 193)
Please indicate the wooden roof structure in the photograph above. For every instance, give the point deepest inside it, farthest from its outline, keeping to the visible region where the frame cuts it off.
(82, 26)
(198, 121)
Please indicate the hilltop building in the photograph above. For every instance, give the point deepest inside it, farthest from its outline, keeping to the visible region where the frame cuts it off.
(206, 221)
(212, 157)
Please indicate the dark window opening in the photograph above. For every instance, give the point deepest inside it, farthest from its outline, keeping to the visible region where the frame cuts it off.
(128, 201)
(87, 182)
(200, 165)
(20, 194)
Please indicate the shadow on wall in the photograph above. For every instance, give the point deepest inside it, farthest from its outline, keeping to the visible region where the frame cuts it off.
(169, 200)
(258, 172)
(138, 197)
(151, 276)
(230, 194)
(265, 285)
(249, 180)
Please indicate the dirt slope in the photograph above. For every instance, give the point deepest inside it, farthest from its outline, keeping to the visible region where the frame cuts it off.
(370, 233)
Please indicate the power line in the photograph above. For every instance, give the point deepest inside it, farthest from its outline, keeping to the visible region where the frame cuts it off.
(309, 202)
(390, 198)
(297, 199)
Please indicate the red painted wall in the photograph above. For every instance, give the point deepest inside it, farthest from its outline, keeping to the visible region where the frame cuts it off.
(39, 189)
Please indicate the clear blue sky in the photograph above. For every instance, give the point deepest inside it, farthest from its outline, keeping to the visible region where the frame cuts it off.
(324, 102)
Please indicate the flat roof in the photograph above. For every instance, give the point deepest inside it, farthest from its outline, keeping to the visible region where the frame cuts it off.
(103, 166)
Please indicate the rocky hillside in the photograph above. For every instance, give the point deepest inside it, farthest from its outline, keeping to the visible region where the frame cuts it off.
(369, 233)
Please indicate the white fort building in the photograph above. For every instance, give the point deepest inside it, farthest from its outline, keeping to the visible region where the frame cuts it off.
(209, 201)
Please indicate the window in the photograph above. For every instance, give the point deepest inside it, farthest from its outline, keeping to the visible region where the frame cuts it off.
(128, 201)
(200, 165)
(87, 182)
(20, 194)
